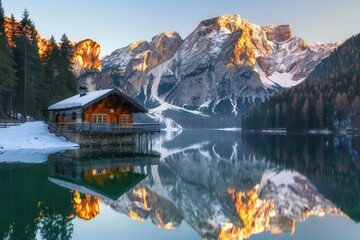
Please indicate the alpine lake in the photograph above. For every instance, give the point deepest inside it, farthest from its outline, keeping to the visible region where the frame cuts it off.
(193, 185)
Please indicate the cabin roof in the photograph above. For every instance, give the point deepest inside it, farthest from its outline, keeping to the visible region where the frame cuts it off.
(78, 101)
(113, 191)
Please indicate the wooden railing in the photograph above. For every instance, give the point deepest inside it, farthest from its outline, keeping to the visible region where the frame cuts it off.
(4, 123)
(108, 128)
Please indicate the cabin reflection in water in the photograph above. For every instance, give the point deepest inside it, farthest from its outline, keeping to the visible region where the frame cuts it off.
(94, 178)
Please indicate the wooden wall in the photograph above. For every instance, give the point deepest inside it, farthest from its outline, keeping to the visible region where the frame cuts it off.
(113, 106)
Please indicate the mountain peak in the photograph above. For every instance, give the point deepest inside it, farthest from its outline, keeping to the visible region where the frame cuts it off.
(229, 22)
(165, 35)
(278, 33)
(138, 45)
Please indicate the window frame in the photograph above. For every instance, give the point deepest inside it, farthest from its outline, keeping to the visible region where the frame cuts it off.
(99, 118)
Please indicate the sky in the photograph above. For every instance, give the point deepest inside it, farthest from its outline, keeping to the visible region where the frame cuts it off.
(117, 23)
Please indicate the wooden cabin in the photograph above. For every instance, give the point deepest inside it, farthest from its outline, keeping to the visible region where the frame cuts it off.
(108, 106)
(104, 117)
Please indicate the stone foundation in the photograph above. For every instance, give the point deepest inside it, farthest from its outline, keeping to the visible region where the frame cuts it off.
(97, 139)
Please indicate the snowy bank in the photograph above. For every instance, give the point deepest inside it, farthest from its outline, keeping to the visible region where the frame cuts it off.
(19, 143)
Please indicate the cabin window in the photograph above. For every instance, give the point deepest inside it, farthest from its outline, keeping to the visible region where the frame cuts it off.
(125, 118)
(74, 116)
(100, 118)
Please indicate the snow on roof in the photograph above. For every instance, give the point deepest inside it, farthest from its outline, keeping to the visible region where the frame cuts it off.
(77, 101)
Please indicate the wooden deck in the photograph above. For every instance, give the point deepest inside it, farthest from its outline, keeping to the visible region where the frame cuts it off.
(136, 128)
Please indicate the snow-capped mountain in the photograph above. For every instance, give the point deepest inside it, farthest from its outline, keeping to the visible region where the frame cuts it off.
(225, 64)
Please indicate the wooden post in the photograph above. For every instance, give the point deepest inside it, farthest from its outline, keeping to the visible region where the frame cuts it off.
(141, 143)
(147, 143)
(151, 143)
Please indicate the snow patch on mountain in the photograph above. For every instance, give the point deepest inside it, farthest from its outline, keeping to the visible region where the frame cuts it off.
(163, 105)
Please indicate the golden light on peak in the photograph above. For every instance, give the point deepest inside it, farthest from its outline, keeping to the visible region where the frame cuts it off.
(276, 230)
(170, 34)
(260, 215)
(86, 208)
(161, 224)
(87, 55)
(142, 193)
(143, 65)
(230, 22)
(45, 47)
(136, 44)
(243, 52)
(133, 215)
(254, 212)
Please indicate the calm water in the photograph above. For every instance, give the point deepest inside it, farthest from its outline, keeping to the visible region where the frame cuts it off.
(196, 185)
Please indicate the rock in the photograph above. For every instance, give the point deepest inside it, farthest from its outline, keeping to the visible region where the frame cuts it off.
(279, 33)
(86, 57)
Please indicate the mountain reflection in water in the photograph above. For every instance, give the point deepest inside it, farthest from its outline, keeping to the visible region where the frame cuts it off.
(225, 185)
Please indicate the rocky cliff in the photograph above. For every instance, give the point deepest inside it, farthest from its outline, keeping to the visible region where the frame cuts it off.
(127, 68)
(85, 57)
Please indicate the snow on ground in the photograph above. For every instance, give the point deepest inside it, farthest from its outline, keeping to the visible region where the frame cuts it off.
(275, 131)
(234, 129)
(30, 142)
(322, 131)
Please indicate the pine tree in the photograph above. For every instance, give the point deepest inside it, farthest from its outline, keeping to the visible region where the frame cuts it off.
(319, 110)
(32, 92)
(51, 66)
(66, 71)
(13, 31)
(7, 71)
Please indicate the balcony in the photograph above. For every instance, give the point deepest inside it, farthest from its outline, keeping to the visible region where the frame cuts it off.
(140, 128)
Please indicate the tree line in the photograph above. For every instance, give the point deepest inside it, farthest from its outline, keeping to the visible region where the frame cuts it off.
(328, 99)
(34, 72)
